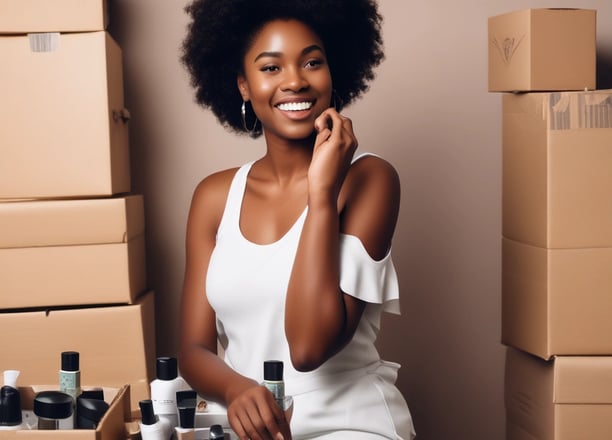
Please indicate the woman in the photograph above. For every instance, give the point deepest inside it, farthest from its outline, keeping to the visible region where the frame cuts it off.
(288, 256)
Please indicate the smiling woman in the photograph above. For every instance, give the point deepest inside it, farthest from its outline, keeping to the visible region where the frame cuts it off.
(289, 256)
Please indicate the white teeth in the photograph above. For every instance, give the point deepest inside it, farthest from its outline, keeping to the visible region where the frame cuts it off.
(295, 106)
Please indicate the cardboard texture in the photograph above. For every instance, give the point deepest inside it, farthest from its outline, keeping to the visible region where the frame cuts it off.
(116, 345)
(566, 398)
(111, 427)
(556, 301)
(72, 252)
(542, 50)
(557, 169)
(24, 16)
(65, 132)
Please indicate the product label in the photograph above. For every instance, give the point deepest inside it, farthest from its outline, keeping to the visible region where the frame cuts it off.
(277, 388)
(70, 383)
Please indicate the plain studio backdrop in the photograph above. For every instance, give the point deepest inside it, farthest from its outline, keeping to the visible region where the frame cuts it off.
(429, 113)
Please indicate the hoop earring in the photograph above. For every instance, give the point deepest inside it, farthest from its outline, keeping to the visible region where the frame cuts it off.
(251, 130)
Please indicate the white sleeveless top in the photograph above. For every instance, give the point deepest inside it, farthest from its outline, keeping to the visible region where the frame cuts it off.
(246, 285)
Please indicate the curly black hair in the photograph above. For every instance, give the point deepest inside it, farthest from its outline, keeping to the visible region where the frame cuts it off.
(220, 32)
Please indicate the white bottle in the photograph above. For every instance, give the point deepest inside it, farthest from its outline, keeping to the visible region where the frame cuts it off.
(151, 428)
(164, 388)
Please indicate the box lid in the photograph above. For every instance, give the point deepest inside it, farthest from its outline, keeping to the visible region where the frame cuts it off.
(36, 223)
(28, 16)
(582, 379)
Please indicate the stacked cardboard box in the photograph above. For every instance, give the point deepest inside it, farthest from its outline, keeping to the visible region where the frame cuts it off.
(556, 225)
(72, 250)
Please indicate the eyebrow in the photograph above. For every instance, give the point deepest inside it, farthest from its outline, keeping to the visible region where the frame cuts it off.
(306, 51)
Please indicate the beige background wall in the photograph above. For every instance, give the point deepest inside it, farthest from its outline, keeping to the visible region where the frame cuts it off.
(429, 113)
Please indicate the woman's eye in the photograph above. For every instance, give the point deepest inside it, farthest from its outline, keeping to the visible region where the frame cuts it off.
(313, 63)
(269, 68)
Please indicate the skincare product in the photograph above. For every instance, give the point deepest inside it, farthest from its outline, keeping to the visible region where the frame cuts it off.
(152, 428)
(164, 388)
(186, 406)
(216, 433)
(10, 403)
(54, 410)
(70, 375)
(273, 380)
(89, 412)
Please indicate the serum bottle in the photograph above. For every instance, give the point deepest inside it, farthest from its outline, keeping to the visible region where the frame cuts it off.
(70, 374)
(70, 378)
(273, 380)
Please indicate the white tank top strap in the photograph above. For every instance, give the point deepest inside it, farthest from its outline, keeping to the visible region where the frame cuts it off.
(235, 194)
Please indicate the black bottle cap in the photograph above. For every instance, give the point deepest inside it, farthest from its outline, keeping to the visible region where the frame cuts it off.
(93, 393)
(70, 361)
(53, 404)
(167, 368)
(146, 412)
(10, 406)
(216, 432)
(273, 370)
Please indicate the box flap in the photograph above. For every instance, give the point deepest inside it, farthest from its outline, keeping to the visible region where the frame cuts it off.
(71, 222)
(24, 16)
(583, 379)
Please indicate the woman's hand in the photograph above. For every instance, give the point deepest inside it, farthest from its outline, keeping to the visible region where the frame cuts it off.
(335, 145)
(255, 415)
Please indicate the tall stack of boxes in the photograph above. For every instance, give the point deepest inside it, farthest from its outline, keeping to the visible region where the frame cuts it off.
(72, 249)
(556, 226)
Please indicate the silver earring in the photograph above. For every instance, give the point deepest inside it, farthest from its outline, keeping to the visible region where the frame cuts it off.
(251, 130)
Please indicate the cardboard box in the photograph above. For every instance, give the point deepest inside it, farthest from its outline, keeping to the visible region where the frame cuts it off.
(72, 252)
(64, 131)
(567, 398)
(23, 16)
(556, 301)
(116, 345)
(112, 426)
(542, 50)
(557, 169)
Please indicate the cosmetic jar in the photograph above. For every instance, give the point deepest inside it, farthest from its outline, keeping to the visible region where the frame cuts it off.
(90, 412)
(54, 410)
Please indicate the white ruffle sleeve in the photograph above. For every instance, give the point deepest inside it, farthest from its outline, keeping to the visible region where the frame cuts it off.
(365, 278)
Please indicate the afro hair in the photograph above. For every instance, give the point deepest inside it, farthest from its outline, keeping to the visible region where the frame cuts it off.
(220, 31)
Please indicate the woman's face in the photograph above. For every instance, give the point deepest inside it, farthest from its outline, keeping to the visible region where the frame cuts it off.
(286, 79)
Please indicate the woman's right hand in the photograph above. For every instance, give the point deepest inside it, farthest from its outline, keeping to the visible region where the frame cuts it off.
(254, 415)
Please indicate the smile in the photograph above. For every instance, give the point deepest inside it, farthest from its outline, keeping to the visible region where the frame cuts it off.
(295, 106)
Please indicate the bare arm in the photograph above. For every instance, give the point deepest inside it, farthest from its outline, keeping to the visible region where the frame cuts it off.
(252, 411)
(361, 200)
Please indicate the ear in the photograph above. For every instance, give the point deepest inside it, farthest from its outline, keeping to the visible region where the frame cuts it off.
(243, 87)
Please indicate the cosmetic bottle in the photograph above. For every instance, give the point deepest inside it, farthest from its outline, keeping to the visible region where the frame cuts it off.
(164, 388)
(54, 410)
(10, 403)
(151, 427)
(70, 375)
(186, 405)
(273, 380)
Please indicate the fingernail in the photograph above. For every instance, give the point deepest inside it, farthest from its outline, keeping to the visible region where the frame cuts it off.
(279, 436)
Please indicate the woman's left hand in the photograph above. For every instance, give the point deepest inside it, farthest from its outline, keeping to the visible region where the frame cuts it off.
(335, 145)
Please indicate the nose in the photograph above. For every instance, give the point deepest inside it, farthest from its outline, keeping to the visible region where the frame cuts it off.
(294, 80)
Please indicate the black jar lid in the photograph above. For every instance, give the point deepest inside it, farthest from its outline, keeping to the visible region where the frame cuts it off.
(53, 405)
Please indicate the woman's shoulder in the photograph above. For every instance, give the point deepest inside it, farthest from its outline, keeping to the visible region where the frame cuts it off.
(372, 169)
(213, 189)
